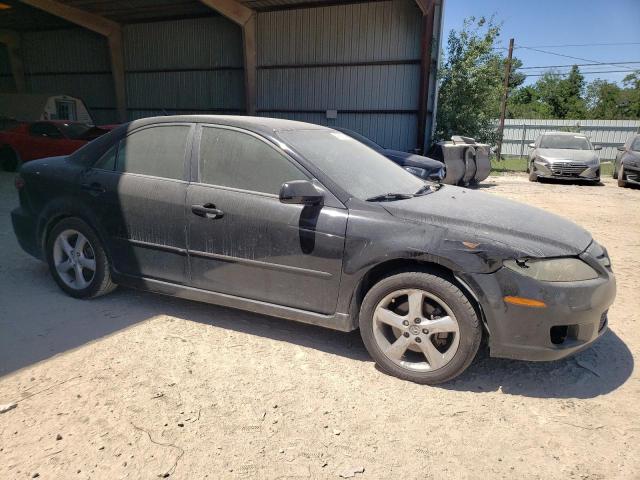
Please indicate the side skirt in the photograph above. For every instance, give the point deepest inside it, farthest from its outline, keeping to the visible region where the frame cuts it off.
(337, 321)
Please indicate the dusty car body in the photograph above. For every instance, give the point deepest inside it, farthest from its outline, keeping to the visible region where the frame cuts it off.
(626, 167)
(264, 215)
(419, 165)
(565, 156)
(29, 141)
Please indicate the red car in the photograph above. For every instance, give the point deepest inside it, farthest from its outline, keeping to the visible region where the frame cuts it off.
(28, 141)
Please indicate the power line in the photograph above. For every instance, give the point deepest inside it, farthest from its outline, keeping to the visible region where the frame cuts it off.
(583, 73)
(576, 64)
(593, 62)
(576, 45)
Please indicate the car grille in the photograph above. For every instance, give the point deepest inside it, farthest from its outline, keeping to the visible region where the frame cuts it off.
(567, 169)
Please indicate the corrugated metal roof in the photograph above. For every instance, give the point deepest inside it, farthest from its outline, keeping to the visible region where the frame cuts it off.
(22, 17)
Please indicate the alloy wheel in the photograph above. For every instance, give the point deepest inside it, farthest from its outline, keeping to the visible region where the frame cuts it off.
(74, 259)
(416, 330)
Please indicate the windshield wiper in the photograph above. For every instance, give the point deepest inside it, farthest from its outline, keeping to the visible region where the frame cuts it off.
(388, 197)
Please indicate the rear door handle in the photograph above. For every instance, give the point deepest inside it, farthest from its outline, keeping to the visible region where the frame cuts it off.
(208, 210)
(93, 188)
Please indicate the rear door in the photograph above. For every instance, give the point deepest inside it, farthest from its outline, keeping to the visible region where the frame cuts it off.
(137, 190)
(254, 246)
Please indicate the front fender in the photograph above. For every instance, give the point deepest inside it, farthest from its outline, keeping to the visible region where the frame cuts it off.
(376, 239)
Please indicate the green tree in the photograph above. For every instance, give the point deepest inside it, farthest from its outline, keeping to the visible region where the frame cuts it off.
(471, 82)
(563, 96)
(604, 100)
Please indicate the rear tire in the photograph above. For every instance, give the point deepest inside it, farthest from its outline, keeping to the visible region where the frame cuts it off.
(77, 260)
(614, 174)
(8, 159)
(420, 327)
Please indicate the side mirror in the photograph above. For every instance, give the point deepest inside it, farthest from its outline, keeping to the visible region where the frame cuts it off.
(597, 147)
(532, 145)
(300, 192)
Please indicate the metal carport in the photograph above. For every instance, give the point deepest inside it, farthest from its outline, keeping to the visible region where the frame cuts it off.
(366, 65)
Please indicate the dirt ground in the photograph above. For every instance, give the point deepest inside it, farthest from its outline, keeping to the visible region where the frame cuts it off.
(136, 385)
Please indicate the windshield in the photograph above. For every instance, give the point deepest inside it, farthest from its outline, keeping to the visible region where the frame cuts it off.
(75, 130)
(636, 145)
(353, 166)
(362, 139)
(565, 142)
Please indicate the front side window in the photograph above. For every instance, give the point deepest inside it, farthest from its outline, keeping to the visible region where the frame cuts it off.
(230, 158)
(157, 151)
(353, 166)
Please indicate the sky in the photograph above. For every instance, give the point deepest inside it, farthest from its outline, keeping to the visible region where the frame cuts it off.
(543, 24)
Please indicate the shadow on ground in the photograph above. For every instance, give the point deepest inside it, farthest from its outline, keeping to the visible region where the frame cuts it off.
(597, 371)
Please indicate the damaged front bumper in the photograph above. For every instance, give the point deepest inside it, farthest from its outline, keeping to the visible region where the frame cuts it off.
(574, 315)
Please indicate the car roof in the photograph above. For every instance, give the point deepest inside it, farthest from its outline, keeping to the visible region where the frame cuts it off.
(564, 133)
(263, 125)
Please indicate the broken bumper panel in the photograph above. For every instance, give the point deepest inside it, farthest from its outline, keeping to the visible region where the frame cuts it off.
(575, 315)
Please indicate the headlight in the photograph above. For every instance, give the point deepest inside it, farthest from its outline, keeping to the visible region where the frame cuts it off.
(418, 172)
(541, 160)
(554, 270)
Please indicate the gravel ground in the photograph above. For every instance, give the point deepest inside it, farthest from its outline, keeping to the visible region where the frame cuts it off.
(136, 385)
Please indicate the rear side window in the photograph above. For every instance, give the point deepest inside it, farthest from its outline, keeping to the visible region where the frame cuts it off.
(235, 159)
(108, 160)
(156, 151)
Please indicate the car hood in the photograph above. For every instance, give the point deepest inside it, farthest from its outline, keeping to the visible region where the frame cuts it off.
(489, 219)
(411, 159)
(565, 155)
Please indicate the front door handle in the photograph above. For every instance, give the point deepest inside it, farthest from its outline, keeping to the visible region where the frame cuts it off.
(93, 188)
(208, 210)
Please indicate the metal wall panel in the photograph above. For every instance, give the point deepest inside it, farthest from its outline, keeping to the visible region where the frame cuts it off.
(6, 79)
(182, 44)
(391, 130)
(66, 50)
(73, 62)
(518, 133)
(192, 65)
(372, 87)
(360, 58)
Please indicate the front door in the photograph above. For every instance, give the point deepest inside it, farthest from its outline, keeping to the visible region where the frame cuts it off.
(137, 190)
(244, 242)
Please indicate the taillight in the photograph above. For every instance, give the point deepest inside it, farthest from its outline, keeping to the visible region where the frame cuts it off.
(19, 182)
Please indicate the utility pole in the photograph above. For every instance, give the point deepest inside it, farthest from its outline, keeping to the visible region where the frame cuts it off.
(505, 96)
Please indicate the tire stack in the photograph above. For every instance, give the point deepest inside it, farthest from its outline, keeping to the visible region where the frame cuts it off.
(467, 161)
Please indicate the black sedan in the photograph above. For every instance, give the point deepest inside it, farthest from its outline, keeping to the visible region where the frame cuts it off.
(626, 167)
(264, 215)
(423, 167)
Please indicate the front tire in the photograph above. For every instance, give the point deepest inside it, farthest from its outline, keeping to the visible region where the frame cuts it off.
(420, 327)
(8, 159)
(533, 176)
(77, 260)
(621, 180)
